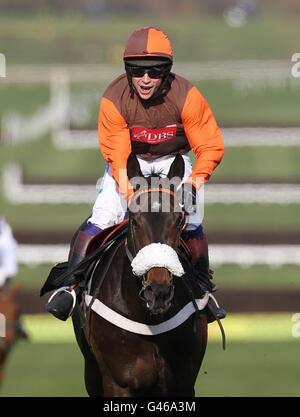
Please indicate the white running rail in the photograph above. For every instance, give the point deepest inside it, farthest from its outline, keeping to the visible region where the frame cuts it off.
(242, 255)
(16, 192)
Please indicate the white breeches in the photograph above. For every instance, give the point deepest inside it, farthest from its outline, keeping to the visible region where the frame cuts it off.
(110, 207)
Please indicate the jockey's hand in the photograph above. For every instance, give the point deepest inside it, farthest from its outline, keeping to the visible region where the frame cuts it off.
(189, 198)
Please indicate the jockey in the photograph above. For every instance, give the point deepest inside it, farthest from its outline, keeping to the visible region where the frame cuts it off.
(8, 254)
(155, 114)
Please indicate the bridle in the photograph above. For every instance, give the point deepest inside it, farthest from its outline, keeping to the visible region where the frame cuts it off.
(133, 199)
(133, 252)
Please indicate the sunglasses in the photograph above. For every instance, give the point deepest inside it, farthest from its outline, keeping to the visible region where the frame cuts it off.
(153, 72)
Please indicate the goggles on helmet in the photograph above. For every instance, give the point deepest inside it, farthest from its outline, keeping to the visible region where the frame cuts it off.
(155, 72)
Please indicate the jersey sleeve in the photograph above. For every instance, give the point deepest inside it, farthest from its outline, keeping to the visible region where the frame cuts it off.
(114, 142)
(204, 136)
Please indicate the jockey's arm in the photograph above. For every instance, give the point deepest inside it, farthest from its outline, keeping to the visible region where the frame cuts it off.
(204, 136)
(114, 142)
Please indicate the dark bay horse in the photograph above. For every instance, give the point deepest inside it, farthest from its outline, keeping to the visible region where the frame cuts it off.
(11, 329)
(137, 350)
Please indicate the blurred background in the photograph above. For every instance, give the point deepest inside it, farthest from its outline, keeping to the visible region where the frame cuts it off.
(60, 56)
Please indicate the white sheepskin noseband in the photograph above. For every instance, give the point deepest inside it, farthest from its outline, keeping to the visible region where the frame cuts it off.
(157, 255)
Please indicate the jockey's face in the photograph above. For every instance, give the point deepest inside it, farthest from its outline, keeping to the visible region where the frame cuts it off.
(146, 86)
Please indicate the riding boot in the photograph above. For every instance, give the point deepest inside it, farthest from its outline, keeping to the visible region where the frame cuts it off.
(197, 244)
(62, 301)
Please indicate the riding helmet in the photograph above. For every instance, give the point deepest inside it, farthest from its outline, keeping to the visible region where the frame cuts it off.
(147, 47)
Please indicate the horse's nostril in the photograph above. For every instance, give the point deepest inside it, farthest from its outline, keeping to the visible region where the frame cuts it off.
(159, 290)
(148, 294)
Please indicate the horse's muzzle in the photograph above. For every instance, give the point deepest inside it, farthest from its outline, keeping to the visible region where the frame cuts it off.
(158, 297)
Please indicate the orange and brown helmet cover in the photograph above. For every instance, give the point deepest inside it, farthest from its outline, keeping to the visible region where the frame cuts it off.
(148, 42)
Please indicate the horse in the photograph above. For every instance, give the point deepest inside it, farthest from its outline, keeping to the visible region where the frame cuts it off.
(11, 329)
(138, 349)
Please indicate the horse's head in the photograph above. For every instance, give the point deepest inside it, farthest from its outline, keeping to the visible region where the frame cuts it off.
(156, 219)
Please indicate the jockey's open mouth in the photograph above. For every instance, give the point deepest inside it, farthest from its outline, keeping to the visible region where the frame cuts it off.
(146, 91)
(146, 86)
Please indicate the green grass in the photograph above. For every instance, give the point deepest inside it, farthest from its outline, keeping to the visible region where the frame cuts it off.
(250, 369)
(41, 162)
(22, 98)
(43, 217)
(244, 369)
(254, 217)
(218, 217)
(259, 276)
(44, 370)
(72, 39)
(260, 104)
(260, 164)
(32, 277)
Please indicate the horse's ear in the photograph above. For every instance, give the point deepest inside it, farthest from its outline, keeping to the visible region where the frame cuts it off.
(133, 167)
(177, 168)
